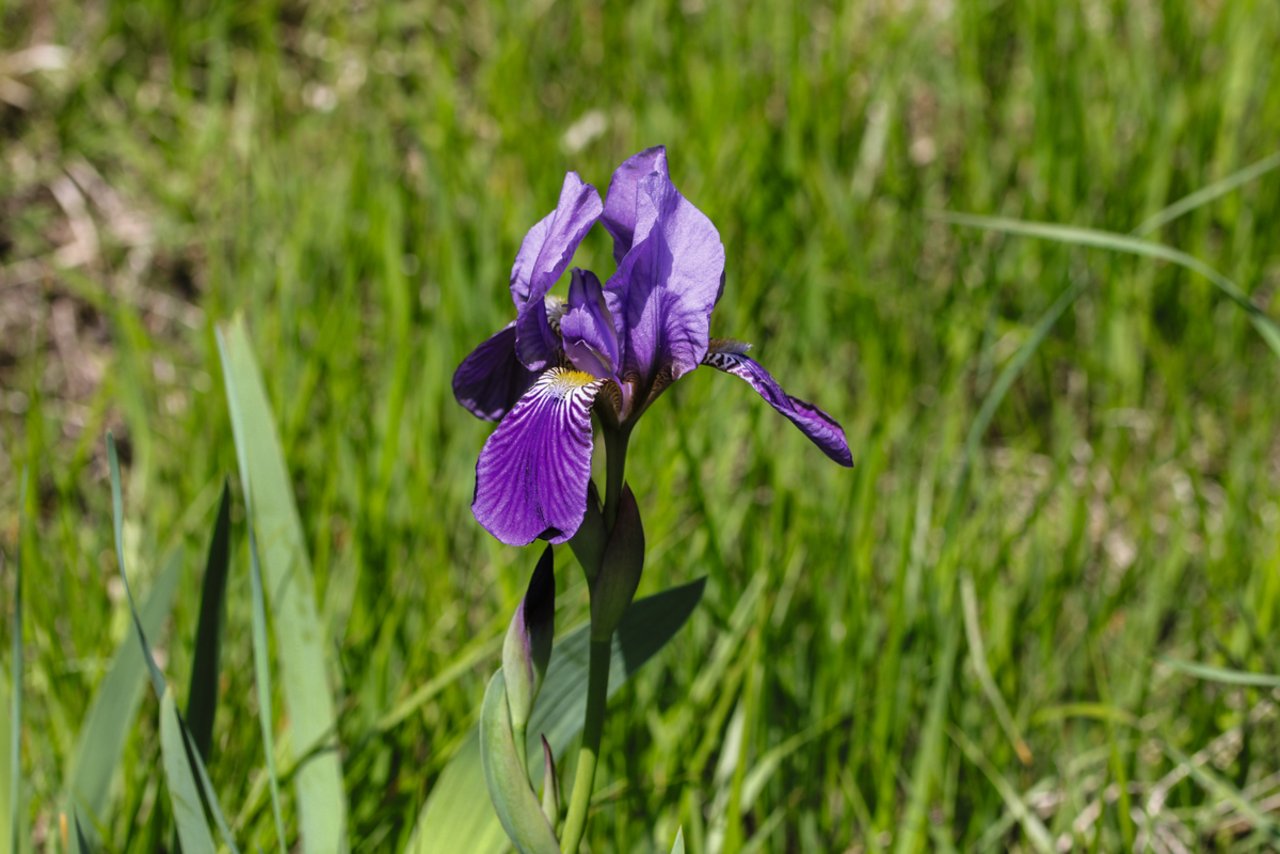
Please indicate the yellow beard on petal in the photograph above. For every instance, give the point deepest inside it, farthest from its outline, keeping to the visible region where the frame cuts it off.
(563, 382)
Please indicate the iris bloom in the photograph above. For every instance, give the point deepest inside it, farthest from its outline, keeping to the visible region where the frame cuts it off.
(612, 348)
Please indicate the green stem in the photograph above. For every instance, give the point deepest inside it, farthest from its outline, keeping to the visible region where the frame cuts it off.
(593, 726)
(575, 824)
(615, 446)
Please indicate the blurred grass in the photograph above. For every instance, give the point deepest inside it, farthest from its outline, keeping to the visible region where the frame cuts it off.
(357, 183)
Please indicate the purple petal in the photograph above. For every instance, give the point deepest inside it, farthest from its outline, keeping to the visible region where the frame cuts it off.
(531, 479)
(621, 203)
(544, 255)
(666, 286)
(587, 330)
(491, 379)
(820, 427)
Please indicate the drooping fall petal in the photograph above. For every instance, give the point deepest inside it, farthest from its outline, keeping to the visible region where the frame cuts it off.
(820, 427)
(491, 379)
(531, 479)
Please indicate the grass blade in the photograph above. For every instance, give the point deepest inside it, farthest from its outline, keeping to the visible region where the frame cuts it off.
(202, 694)
(11, 792)
(930, 756)
(1209, 673)
(999, 389)
(1206, 194)
(457, 814)
(978, 657)
(1097, 239)
(1037, 834)
(117, 524)
(300, 634)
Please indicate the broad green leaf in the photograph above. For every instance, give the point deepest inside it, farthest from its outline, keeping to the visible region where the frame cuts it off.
(184, 791)
(513, 800)
(157, 677)
(262, 682)
(457, 815)
(202, 693)
(677, 847)
(300, 635)
(106, 726)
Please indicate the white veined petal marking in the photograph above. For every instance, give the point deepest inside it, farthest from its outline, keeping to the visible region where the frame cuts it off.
(577, 386)
(726, 354)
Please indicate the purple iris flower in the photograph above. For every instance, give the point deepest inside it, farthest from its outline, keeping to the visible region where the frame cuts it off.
(610, 348)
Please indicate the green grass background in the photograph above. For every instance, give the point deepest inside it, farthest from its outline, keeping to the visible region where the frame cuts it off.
(355, 179)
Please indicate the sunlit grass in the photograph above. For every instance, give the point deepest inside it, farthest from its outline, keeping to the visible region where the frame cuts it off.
(1101, 473)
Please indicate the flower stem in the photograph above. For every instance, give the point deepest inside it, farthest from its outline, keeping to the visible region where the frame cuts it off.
(615, 446)
(593, 726)
(575, 824)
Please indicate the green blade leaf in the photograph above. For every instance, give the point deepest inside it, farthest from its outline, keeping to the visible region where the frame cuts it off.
(206, 790)
(457, 814)
(301, 636)
(262, 682)
(514, 801)
(202, 694)
(184, 791)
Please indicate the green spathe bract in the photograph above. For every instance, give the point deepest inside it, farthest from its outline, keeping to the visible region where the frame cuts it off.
(614, 585)
(506, 777)
(527, 647)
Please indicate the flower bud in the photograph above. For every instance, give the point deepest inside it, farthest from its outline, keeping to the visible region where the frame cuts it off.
(620, 568)
(527, 649)
(588, 544)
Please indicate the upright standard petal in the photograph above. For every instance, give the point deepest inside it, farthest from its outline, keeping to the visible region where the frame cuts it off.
(531, 479)
(586, 329)
(821, 428)
(491, 379)
(544, 255)
(620, 203)
(666, 286)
